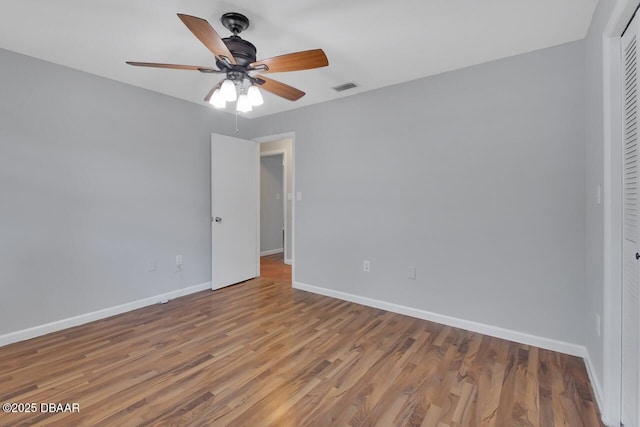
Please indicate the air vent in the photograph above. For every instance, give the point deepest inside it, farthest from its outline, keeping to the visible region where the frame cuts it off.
(344, 87)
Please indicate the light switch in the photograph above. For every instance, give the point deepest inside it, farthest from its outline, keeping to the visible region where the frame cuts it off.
(289, 196)
(299, 195)
(278, 196)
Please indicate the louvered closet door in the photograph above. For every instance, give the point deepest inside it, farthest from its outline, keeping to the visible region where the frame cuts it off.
(631, 235)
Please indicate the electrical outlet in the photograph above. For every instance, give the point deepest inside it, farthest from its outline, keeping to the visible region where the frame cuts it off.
(598, 325)
(366, 266)
(411, 272)
(151, 265)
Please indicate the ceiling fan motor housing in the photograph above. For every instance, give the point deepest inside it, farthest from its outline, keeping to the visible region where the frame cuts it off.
(243, 51)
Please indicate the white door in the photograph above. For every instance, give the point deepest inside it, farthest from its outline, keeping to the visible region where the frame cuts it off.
(630, 232)
(234, 210)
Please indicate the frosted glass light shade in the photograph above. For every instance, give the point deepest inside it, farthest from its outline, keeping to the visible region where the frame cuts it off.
(217, 100)
(255, 97)
(243, 103)
(228, 91)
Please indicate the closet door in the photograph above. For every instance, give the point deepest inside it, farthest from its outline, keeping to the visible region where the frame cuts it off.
(631, 238)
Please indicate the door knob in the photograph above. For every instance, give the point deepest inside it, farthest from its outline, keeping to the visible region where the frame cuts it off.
(218, 219)
(637, 255)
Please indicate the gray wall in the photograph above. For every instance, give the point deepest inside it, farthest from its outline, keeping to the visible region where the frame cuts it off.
(285, 145)
(595, 176)
(476, 177)
(272, 203)
(96, 178)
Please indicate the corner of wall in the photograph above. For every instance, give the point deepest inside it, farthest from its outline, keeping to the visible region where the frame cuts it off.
(596, 385)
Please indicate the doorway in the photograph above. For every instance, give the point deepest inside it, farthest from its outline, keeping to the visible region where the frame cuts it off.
(280, 148)
(272, 203)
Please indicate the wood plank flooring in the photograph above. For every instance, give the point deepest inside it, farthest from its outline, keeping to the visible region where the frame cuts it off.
(263, 354)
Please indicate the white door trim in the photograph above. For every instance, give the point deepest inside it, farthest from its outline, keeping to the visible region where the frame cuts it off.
(612, 111)
(277, 137)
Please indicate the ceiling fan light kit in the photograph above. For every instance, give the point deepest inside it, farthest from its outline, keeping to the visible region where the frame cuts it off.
(217, 100)
(228, 91)
(255, 97)
(243, 104)
(236, 58)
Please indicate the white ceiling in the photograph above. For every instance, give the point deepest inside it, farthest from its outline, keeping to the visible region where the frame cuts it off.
(374, 43)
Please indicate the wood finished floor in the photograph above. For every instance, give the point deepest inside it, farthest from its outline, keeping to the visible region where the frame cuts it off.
(261, 353)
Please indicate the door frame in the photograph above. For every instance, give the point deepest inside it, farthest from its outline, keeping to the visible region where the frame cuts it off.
(282, 153)
(277, 137)
(612, 182)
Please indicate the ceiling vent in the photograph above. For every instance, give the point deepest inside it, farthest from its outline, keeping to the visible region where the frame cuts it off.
(344, 87)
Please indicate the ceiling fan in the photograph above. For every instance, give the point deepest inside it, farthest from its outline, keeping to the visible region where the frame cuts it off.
(236, 58)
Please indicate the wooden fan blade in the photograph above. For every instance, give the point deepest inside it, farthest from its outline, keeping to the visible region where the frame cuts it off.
(280, 89)
(208, 36)
(210, 94)
(172, 66)
(304, 60)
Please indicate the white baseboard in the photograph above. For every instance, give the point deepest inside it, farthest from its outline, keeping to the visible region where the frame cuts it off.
(494, 331)
(595, 384)
(288, 261)
(482, 328)
(59, 325)
(272, 252)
